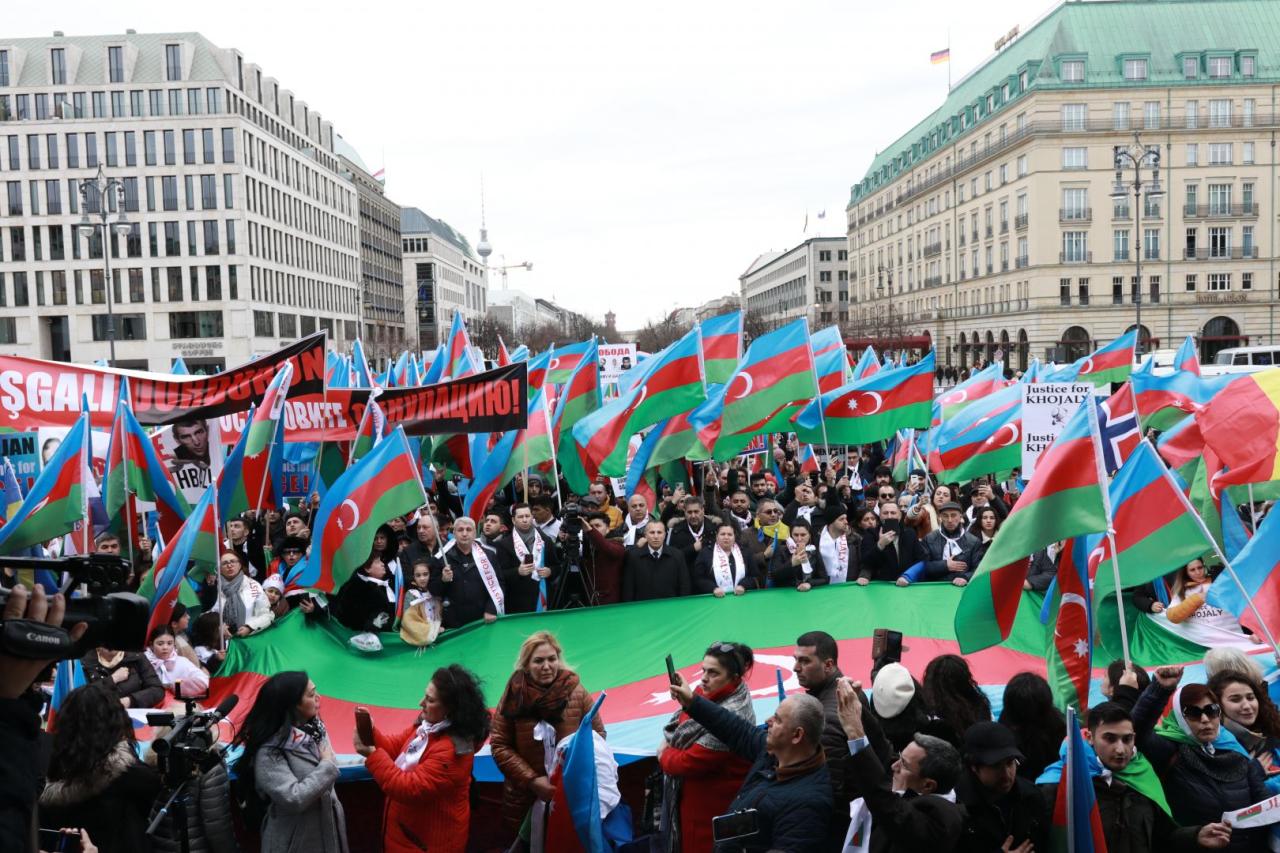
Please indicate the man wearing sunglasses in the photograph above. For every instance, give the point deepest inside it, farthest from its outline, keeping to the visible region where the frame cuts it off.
(1130, 798)
(1205, 770)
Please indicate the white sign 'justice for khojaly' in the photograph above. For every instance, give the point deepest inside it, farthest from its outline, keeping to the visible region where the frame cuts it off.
(1046, 408)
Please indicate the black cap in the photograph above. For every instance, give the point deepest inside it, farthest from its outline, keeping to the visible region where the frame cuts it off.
(950, 505)
(833, 510)
(987, 744)
(295, 543)
(918, 472)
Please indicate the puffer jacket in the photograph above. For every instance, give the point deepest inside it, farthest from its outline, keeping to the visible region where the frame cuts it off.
(208, 817)
(521, 758)
(1199, 786)
(112, 805)
(427, 807)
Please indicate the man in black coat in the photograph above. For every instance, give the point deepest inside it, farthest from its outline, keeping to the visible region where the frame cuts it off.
(896, 549)
(949, 550)
(527, 556)
(788, 786)
(653, 570)
(693, 534)
(999, 803)
(910, 810)
(466, 577)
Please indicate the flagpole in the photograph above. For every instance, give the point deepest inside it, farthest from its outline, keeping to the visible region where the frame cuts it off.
(1095, 434)
(1213, 543)
(555, 466)
(86, 465)
(1068, 772)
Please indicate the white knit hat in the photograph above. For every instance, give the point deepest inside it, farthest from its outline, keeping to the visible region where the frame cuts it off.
(892, 690)
(274, 582)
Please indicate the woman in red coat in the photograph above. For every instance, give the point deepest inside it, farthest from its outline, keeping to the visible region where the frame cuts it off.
(701, 775)
(425, 771)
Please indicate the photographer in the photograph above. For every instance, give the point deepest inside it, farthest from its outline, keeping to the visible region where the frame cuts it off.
(602, 556)
(95, 779)
(208, 810)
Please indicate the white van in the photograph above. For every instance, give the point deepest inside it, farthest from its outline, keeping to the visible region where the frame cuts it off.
(1242, 360)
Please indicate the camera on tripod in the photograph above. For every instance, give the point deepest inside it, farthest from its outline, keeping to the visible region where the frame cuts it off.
(116, 618)
(189, 747)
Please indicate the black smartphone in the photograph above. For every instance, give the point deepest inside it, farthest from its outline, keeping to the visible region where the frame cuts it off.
(57, 841)
(886, 646)
(671, 671)
(741, 824)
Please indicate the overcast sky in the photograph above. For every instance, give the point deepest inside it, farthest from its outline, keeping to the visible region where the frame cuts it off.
(640, 157)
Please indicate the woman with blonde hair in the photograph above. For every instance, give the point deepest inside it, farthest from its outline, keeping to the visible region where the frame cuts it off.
(543, 702)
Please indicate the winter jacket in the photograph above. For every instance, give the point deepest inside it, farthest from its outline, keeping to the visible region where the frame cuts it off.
(521, 758)
(466, 599)
(142, 687)
(303, 812)
(793, 804)
(1131, 822)
(935, 564)
(903, 823)
(680, 537)
(1199, 786)
(1021, 813)
(257, 608)
(363, 605)
(704, 573)
(604, 558)
(19, 744)
(888, 564)
(522, 590)
(782, 573)
(836, 746)
(427, 807)
(645, 578)
(710, 780)
(1042, 570)
(112, 804)
(209, 826)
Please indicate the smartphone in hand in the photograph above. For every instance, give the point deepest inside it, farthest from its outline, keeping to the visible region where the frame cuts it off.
(364, 726)
(671, 671)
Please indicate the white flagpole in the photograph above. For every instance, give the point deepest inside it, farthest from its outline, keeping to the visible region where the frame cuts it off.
(1213, 544)
(1095, 434)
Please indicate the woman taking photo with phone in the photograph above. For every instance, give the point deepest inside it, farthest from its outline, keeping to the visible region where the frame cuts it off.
(701, 775)
(543, 701)
(425, 771)
(292, 769)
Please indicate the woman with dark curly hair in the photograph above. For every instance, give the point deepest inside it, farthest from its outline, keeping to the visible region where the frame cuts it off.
(1250, 715)
(425, 771)
(1028, 711)
(543, 701)
(95, 779)
(954, 698)
(291, 769)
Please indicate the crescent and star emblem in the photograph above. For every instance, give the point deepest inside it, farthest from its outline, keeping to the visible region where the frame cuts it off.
(355, 516)
(877, 402)
(957, 397)
(750, 384)
(554, 364)
(1013, 435)
(1087, 367)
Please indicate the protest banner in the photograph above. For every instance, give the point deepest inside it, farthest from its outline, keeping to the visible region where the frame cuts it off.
(1046, 407)
(615, 360)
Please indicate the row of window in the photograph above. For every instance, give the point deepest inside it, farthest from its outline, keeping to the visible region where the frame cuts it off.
(1079, 294)
(51, 194)
(202, 239)
(266, 324)
(287, 288)
(168, 284)
(119, 148)
(1194, 67)
(116, 103)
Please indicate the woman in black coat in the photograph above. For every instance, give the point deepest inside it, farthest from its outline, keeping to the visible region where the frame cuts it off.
(128, 675)
(726, 567)
(95, 779)
(367, 601)
(1202, 773)
(798, 562)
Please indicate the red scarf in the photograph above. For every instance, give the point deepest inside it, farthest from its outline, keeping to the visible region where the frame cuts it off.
(524, 698)
(716, 696)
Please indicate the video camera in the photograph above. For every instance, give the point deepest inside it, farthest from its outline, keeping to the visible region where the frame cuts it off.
(188, 749)
(116, 618)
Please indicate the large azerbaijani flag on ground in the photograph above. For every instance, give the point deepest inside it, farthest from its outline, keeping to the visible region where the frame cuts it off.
(630, 665)
(871, 409)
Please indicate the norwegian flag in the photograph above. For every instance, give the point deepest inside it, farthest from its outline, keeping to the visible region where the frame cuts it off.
(1118, 424)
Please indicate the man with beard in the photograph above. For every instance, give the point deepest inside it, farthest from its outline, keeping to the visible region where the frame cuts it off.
(692, 534)
(803, 506)
(740, 509)
(949, 549)
(895, 550)
(839, 550)
(761, 488)
(1000, 805)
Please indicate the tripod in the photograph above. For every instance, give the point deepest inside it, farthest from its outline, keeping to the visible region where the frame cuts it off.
(177, 801)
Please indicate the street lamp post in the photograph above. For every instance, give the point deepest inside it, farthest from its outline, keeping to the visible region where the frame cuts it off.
(1136, 157)
(887, 290)
(99, 188)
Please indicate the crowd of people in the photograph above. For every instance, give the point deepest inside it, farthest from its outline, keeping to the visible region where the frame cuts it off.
(904, 761)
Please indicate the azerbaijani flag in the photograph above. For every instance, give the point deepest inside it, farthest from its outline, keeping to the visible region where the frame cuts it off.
(722, 346)
(831, 363)
(134, 470)
(581, 786)
(867, 364)
(581, 397)
(167, 577)
(565, 360)
(1155, 531)
(488, 473)
(1077, 823)
(360, 375)
(777, 379)
(55, 505)
(382, 485)
(1069, 652)
(871, 409)
(246, 473)
(372, 428)
(504, 357)
(981, 439)
(538, 366)
(457, 353)
(1111, 363)
(532, 445)
(674, 385)
(1064, 499)
(435, 368)
(67, 676)
(1242, 425)
(179, 367)
(979, 386)
(1164, 400)
(1258, 568)
(1186, 358)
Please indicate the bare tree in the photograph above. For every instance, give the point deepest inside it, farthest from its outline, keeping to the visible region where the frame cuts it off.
(484, 333)
(755, 324)
(655, 336)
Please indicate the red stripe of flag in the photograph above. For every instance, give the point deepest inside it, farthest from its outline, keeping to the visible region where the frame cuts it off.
(675, 374)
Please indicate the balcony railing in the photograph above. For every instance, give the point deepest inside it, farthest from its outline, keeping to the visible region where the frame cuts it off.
(1004, 226)
(1121, 215)
(933, 281)
(1228, 253)
(1121, 255)
(1219, 211)
(989, 232)
(1075, 214)
(1075, 257)
(932, 250)
(1021, 262)
(1020, 221)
